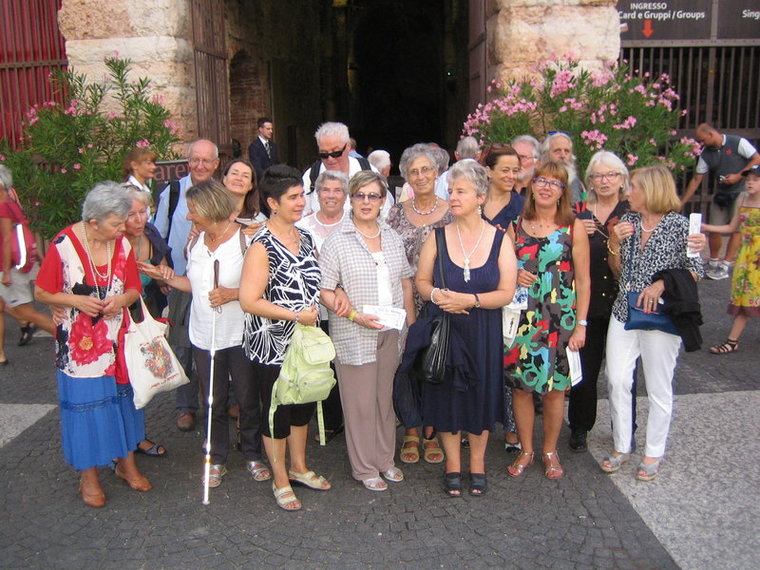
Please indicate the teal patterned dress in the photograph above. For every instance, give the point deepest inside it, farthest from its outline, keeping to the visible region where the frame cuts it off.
(537, 361)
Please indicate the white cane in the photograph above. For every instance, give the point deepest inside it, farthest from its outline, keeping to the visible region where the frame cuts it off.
(207, 462)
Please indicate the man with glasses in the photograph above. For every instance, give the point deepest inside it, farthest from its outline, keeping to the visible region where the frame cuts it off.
(173, 225)
(558, 146)
(333, 149)
(527, 151)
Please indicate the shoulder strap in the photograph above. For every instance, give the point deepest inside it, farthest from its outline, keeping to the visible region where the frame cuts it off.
(440, 244)
(241, 237)
(173, 201)
(314, 174)
(364, 163)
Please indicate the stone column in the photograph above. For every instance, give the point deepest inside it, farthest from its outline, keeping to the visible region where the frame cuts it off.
(524, 33)
(156, 35)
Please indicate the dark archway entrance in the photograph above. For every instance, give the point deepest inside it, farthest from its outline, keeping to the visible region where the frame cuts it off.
(400, 80)
(394, 71)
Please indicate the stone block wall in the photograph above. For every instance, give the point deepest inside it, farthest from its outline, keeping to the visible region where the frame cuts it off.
(524, 33)
(155, 35)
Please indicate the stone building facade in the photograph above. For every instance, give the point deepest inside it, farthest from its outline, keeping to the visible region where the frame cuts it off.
(294, 61)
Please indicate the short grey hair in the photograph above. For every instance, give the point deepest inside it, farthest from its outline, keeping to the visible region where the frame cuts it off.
(443, 158)
(468, 147)
(6, 178)
(104, 199)
(337, 175)
(607, 158)
(533, 141)
(548, 141)
(473, 172)
(379, 159)
(137, 194)
(414, 152)
(191, 148)
(332, 129)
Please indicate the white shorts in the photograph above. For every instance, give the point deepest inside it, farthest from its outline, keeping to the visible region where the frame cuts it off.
(19, 291)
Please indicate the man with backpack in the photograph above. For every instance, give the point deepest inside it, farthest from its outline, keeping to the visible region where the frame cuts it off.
(173, 225)
(333, 144)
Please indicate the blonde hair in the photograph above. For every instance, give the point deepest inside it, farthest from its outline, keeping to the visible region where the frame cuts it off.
(659, 189)
(211, 200)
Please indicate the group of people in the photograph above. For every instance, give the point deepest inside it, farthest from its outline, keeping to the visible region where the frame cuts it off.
(254, 256)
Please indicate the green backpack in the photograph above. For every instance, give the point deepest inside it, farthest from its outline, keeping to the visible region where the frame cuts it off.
(305, 375)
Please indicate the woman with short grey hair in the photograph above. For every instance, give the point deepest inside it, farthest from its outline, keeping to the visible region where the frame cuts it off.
(90, 271)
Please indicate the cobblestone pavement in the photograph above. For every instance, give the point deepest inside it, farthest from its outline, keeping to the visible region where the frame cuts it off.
(587, 519)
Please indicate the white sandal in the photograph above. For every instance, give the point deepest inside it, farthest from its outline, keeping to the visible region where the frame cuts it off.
(284, 501)
(374, 484)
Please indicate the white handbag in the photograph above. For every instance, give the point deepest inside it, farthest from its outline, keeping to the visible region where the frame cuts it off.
(151, 363)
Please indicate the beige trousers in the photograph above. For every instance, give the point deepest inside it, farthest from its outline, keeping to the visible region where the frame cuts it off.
(366, 392)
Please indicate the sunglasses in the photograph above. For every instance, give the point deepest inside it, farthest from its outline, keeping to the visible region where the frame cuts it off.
(336, 154)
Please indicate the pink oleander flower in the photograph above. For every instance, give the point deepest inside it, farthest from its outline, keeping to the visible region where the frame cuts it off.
(81, 150)
(142, 143)
(63, 171)
(76, 166)
(89, 145)
(631, 159)
(2, 157)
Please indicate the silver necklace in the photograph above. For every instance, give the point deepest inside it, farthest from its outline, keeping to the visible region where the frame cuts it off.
(107, 276)
(467, 256)
(420, 212)
(365, 235)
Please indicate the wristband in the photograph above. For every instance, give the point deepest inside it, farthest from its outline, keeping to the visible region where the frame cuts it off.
(477, 301)
(583, 322)
(352, 315)
(432, 294)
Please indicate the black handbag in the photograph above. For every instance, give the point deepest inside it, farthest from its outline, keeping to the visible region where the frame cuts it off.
(430, 364)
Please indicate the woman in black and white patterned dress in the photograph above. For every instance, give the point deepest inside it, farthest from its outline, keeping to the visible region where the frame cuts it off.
(278, 288)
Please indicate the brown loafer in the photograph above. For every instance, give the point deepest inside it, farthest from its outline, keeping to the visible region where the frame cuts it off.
(186, 421)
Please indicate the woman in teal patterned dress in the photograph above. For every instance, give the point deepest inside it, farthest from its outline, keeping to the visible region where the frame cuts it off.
(553, 259)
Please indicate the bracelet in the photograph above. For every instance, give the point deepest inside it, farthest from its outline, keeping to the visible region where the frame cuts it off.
(610, 250)
(477, 301)
(295, 314)
(352, 315)
(583, 322)
(432, 294)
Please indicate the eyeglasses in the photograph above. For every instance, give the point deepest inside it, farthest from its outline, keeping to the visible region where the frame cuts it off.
(425, 170)
(204, 161)
(554, 184)
(335, 154)
(606, 176)
(361, 197)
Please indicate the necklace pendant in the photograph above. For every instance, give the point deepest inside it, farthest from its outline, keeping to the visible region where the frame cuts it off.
(466, 271)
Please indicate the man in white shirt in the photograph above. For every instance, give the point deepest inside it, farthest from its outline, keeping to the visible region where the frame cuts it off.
(334, 148)
(173, 225)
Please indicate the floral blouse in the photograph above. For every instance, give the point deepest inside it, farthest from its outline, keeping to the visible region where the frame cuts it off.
(86, 346)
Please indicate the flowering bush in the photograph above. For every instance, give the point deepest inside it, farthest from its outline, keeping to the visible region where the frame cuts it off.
(65, 149)
(633, 115)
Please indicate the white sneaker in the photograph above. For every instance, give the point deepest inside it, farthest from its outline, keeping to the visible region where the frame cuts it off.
(716, 273)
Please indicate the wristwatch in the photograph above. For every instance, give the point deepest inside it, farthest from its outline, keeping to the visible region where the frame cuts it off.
(583, 323)
(477, 301)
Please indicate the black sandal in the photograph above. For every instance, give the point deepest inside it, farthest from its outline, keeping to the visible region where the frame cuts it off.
(27, 333)
(155, 449)
(725, 348)
(478, 484)
(452, 484)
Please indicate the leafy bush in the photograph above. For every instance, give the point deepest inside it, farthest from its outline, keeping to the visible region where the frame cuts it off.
(66, 149)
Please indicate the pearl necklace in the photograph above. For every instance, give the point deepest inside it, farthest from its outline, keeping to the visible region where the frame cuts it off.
(643, 229)
(98, 274)
(420, 212)
(467, 257)
(369, 237)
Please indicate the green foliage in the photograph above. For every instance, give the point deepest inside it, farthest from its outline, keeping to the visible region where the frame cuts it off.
(66, 149)
(631, 115)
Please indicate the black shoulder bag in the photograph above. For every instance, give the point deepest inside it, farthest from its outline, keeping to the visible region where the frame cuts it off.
(430, 364)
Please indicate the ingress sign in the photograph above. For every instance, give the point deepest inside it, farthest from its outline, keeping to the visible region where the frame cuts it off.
(673, 20)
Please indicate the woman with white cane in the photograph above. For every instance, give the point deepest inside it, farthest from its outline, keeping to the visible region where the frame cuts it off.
(216, 328)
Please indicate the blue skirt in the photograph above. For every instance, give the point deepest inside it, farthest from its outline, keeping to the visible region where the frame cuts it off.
(98, 420)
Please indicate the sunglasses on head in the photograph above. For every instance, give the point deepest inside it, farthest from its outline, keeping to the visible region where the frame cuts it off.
(336, 154)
